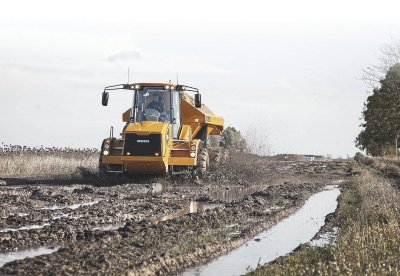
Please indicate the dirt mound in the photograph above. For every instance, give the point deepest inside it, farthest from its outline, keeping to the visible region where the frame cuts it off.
(190, 99)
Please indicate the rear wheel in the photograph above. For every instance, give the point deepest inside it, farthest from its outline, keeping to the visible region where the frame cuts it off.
(203, 163)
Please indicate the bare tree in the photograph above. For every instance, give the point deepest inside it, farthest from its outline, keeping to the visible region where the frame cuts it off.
(388, 56)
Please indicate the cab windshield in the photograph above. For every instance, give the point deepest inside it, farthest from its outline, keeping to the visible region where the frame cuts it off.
(153, 104)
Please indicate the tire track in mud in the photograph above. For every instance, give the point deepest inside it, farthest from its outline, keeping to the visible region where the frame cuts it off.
(62, 224)
(117, 233)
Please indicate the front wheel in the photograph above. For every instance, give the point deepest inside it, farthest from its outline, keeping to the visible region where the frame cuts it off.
(103, 170)
(106, 177)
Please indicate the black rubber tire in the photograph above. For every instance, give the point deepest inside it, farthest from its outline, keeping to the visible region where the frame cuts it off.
(203, 163)
(109, 178)
(103, 170)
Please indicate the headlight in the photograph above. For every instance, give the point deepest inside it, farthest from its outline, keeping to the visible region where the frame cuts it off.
(192, 154)
(106, 146)
(105, 152)
(193, 148)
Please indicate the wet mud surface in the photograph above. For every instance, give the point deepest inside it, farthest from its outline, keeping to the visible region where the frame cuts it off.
(160, 226)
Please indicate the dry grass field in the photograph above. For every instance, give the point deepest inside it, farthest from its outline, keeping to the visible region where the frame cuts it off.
(368, 218)
(35, 162)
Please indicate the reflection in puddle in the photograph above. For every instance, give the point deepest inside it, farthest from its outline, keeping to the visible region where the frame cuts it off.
(235, 192)
(188, 207)
(72, 207)
(277, 241)
(30, 227)
(29, 253)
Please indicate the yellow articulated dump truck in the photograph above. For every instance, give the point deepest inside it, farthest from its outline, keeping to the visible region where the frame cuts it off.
(166, 131)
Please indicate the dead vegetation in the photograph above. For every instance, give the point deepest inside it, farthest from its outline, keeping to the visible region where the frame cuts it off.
(388, 167)
(368, 243)
(40, 162)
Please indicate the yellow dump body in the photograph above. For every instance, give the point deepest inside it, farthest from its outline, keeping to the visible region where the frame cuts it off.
(158, 152)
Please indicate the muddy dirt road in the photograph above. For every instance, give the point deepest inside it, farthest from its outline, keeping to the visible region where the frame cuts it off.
(154, 225)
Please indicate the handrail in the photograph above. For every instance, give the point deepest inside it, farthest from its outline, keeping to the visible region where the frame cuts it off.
(182, 87)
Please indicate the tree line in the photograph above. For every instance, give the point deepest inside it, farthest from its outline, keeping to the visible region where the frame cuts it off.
(381, 114)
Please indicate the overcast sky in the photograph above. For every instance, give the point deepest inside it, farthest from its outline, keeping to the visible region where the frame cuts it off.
(286, 71)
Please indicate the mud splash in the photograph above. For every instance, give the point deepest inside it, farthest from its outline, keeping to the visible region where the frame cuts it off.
(29, 253)
(277, 241)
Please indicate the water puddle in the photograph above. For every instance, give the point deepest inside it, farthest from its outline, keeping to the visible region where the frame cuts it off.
(277, 241)
(29, 253)
(152, 189)
(236, 192)
(30, 227)
(188, 207)
(72, 207)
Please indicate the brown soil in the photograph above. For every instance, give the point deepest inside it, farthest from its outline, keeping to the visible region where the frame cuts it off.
(119, 228)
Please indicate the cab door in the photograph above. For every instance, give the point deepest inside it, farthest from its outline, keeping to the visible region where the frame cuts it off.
(176, 105)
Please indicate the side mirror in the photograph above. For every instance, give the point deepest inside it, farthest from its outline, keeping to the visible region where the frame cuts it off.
(104, 98)
(197, 100)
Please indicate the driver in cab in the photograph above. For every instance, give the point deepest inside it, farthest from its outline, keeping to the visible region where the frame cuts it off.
(156, 103)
